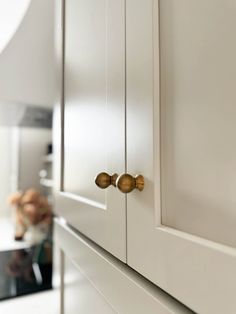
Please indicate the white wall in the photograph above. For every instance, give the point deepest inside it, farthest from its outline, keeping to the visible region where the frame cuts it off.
(27, 62)
(11, 15)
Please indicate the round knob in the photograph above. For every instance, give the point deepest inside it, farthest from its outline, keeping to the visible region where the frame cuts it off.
(103, 180)
(127, 183)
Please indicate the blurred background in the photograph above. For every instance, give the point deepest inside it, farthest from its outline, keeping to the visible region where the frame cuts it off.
(27, 95)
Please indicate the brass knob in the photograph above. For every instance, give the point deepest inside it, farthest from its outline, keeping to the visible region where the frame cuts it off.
(103, 180)
(127, 183)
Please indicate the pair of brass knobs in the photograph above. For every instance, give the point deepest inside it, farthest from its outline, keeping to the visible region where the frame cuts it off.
(125, 182)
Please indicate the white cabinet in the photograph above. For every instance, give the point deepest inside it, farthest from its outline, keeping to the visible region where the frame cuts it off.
(78, 293)
(99, 283)
(180, 136)
(94, 121)
(149, 89)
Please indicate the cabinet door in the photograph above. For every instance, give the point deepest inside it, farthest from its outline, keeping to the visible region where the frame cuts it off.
(93, 120)
(79, 294)
(181, 110)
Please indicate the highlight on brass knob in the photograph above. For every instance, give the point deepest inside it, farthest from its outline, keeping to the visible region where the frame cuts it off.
(127, 183)
(103, 180)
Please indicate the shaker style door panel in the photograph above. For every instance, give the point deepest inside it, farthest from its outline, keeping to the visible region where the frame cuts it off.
(181, 72)
(94, 127)
(198, 69)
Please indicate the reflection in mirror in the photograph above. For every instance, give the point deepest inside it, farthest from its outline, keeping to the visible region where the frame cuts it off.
(25, 200)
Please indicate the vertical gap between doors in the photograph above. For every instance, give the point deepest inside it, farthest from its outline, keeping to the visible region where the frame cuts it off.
(160, 108)
(63, 16)
(126, 161)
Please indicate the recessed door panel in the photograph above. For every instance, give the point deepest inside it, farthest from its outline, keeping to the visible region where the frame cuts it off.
(87, 120)
(198, 73)
(181, 71)
(94, 120)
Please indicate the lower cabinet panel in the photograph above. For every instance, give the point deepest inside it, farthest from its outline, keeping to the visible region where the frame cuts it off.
(79, 294)
(96, 282)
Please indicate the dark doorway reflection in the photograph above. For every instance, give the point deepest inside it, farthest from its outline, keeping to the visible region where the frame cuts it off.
(25, 271)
